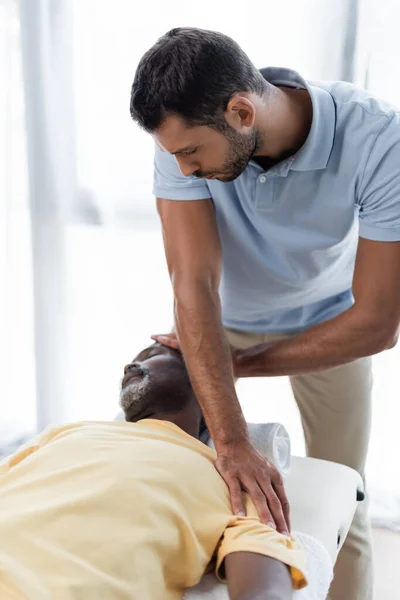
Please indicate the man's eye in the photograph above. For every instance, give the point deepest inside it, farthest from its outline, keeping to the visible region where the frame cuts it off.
(155, 352)
(190, 152)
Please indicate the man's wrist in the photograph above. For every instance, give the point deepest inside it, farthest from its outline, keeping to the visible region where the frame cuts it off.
(232, 437)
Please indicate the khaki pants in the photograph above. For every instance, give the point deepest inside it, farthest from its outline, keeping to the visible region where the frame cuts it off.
(335, 408)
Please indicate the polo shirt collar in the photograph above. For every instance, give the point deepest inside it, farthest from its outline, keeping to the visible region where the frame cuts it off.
(315, 152)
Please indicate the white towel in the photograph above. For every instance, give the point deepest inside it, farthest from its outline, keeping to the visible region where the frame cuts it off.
(319, 569)
(272, 441)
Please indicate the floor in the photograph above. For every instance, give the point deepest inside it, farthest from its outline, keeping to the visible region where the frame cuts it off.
(387, 556)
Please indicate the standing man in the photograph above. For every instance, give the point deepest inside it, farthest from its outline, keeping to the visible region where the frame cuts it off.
(280, 207)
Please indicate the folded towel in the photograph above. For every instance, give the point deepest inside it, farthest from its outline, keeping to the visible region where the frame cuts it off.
(272, 441)
(319, 568)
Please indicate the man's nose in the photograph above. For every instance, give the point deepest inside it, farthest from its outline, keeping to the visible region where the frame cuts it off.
(187, 167)
(131, 367)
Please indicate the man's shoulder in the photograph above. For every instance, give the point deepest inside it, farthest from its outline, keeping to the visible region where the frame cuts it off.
(351, 100)
(362, 120)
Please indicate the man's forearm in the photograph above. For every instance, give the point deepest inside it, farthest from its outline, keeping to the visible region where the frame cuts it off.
(343, 339)
(252, 576)
(208, 360)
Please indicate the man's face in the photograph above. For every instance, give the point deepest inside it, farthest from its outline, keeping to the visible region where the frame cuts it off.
(153, 381)
(205, 152)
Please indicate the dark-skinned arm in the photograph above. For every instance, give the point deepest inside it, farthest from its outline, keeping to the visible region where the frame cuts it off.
(368, 327)
(253, 576)
(194, 259)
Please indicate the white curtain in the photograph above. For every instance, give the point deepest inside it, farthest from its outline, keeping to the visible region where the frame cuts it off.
(376, 68)
(82, 275)
(45, 28)
(18, 394)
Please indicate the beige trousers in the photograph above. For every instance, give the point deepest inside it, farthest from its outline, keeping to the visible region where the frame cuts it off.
(335, 409)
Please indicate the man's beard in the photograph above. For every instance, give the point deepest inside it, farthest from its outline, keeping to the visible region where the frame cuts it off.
(241, 150)
(134, 396)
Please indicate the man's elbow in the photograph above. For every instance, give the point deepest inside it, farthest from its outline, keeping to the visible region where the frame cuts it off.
(376, 331)
(385, 338)
(392, 339)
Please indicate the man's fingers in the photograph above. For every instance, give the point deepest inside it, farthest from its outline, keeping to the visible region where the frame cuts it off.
(167, 340)
(277, 483)
(277, 512)
(236, 497)
(245, 469)
(274, 505)
(259, 499)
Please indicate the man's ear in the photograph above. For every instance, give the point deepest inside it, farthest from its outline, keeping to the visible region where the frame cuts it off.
(240, 113)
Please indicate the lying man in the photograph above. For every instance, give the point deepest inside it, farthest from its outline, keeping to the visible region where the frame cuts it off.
(134, 510)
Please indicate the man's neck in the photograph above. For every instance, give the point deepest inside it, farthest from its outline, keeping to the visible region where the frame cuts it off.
(184, 419)
(284, 124)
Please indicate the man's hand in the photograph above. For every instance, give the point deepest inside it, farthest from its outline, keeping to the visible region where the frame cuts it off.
(245, 469)
(171, 340)
(167, 339)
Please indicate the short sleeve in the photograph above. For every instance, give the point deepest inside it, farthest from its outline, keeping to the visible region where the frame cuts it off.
(248, 534)
(379, 195)
(169, 183)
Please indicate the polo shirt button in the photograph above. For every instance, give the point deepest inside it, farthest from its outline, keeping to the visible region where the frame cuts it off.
(262, 179)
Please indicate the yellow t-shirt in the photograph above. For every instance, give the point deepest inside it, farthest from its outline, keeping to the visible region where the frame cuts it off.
(120, 511)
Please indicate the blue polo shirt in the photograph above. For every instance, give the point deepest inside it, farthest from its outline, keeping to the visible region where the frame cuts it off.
(289, 235)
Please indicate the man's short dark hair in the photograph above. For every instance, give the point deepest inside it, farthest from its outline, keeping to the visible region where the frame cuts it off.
(192, 73)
